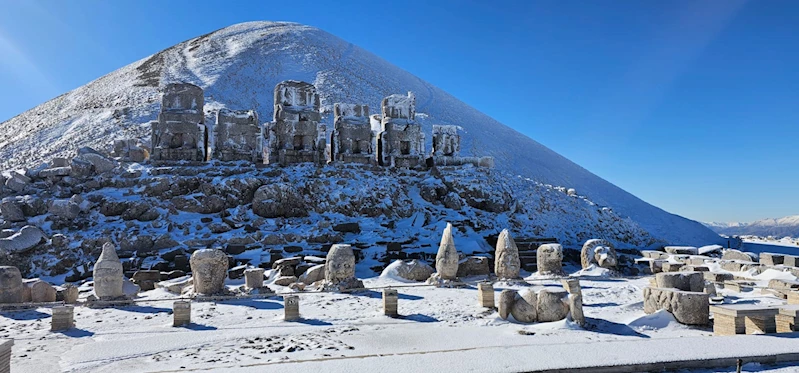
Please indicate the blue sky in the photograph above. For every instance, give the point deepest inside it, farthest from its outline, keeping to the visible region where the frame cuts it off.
(692, 106)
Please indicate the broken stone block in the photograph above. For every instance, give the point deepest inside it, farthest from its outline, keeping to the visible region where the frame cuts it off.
(685, 250)
(732, 254)
(146, 279)
(507, 298)
(506, 257)
(685, 281)
(553, 305)
(254, 278)
(415, 270)
(313, 274)
(689, 308)
(473, 266)
(11, 210)
(237, 135)
(731, 319)
(41, 292)
(352, 139)
(27, 238)
(401, 141)
(770, 259)
(279, 200)
(67, 209)
(10, 285)
(787, 321)
(549, 259)
(485, 294)
(525, 307)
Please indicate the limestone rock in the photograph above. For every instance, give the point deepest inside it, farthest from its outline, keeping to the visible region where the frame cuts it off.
(524, 308)
(146, 279)
(285, 280)
(68, 294)
(685, 281)
(684, 250)
(108, 275)
(279, 200)
(313, 274)
(549, 259)
(506, 300)
(733, 254)
(18, 182)
(599, 252)
(447, 257)
(473, 266)
(254, 278)
(100, 163)
(176, 285)
(10, 285)
(209, 270)
(415, 270)
(553, 305)
(506, 257)
(66, 208)
(42, 292)
(690, 308)
(27, 237)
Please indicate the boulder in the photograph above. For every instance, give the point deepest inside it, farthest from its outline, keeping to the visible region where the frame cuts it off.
(108, 274)
(552, 305)
(10, 285)
(11, 210)
(285, 280)
(42, 292)
(313, 274)
(209, 269)
(447, 256)
(505, 303)
(415, 270)
(473, 266)
(27, 237)
(279, 200)
(67, 209)
(524, 308)
(599, 252)
(146, 279)
(506, 257)
(684, 250)
(81, 168)
(55, 172)
(733, 254)
(689, 308)
(549, 259)
(176, 285)
(685, 281)
(17, 182)
(100, 163)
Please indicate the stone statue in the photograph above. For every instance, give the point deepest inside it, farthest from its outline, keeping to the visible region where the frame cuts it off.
(209, 269)
(598, 252)
(10, 285)
(108, 276)
(447, 257)
(506, 262)
(340, 269)
(549, 258)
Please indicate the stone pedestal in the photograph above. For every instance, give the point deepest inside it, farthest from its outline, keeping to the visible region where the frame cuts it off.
(485, 294)
(181, 313)
(63, 318)
(744, 318)
(788, 319)
(254, 278)
(5, 355)
(291, 307)
(390, 302)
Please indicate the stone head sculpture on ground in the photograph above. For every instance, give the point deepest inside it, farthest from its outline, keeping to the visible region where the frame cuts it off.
(599, 252)
(209, 270)
(108, 275)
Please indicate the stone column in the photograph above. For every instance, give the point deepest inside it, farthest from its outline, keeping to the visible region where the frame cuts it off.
(572, 286)
(181, 313)
(291, 307)
(63, 318)
(5, 355)
(485, 294)
(390, 302)
(254, 278)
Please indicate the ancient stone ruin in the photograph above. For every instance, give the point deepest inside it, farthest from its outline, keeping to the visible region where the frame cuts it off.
(447, 148)
(446, 261)
(209, 269)
(237, 136)
(549, 304)
(680, 293)
(340, 269)
(294, 134)
(401, 141)
(549, 259)
(506, 262)
(179, 134)
(108, 276)
(352, 140)
(600, 253)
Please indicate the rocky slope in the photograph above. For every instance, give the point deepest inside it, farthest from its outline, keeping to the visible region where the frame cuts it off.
(238, 67)
(158, 215)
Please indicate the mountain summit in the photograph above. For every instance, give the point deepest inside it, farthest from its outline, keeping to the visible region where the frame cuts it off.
(238, 68)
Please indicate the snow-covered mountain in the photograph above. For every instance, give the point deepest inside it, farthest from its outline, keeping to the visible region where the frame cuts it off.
(239, 66)
(782, 227)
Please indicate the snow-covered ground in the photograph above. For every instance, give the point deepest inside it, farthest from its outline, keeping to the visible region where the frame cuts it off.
(771, 229)
(439, 328)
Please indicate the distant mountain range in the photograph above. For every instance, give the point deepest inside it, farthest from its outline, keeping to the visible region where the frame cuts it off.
(782, 227)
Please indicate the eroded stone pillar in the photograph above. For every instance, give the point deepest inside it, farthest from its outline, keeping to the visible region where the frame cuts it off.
(485, 294)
